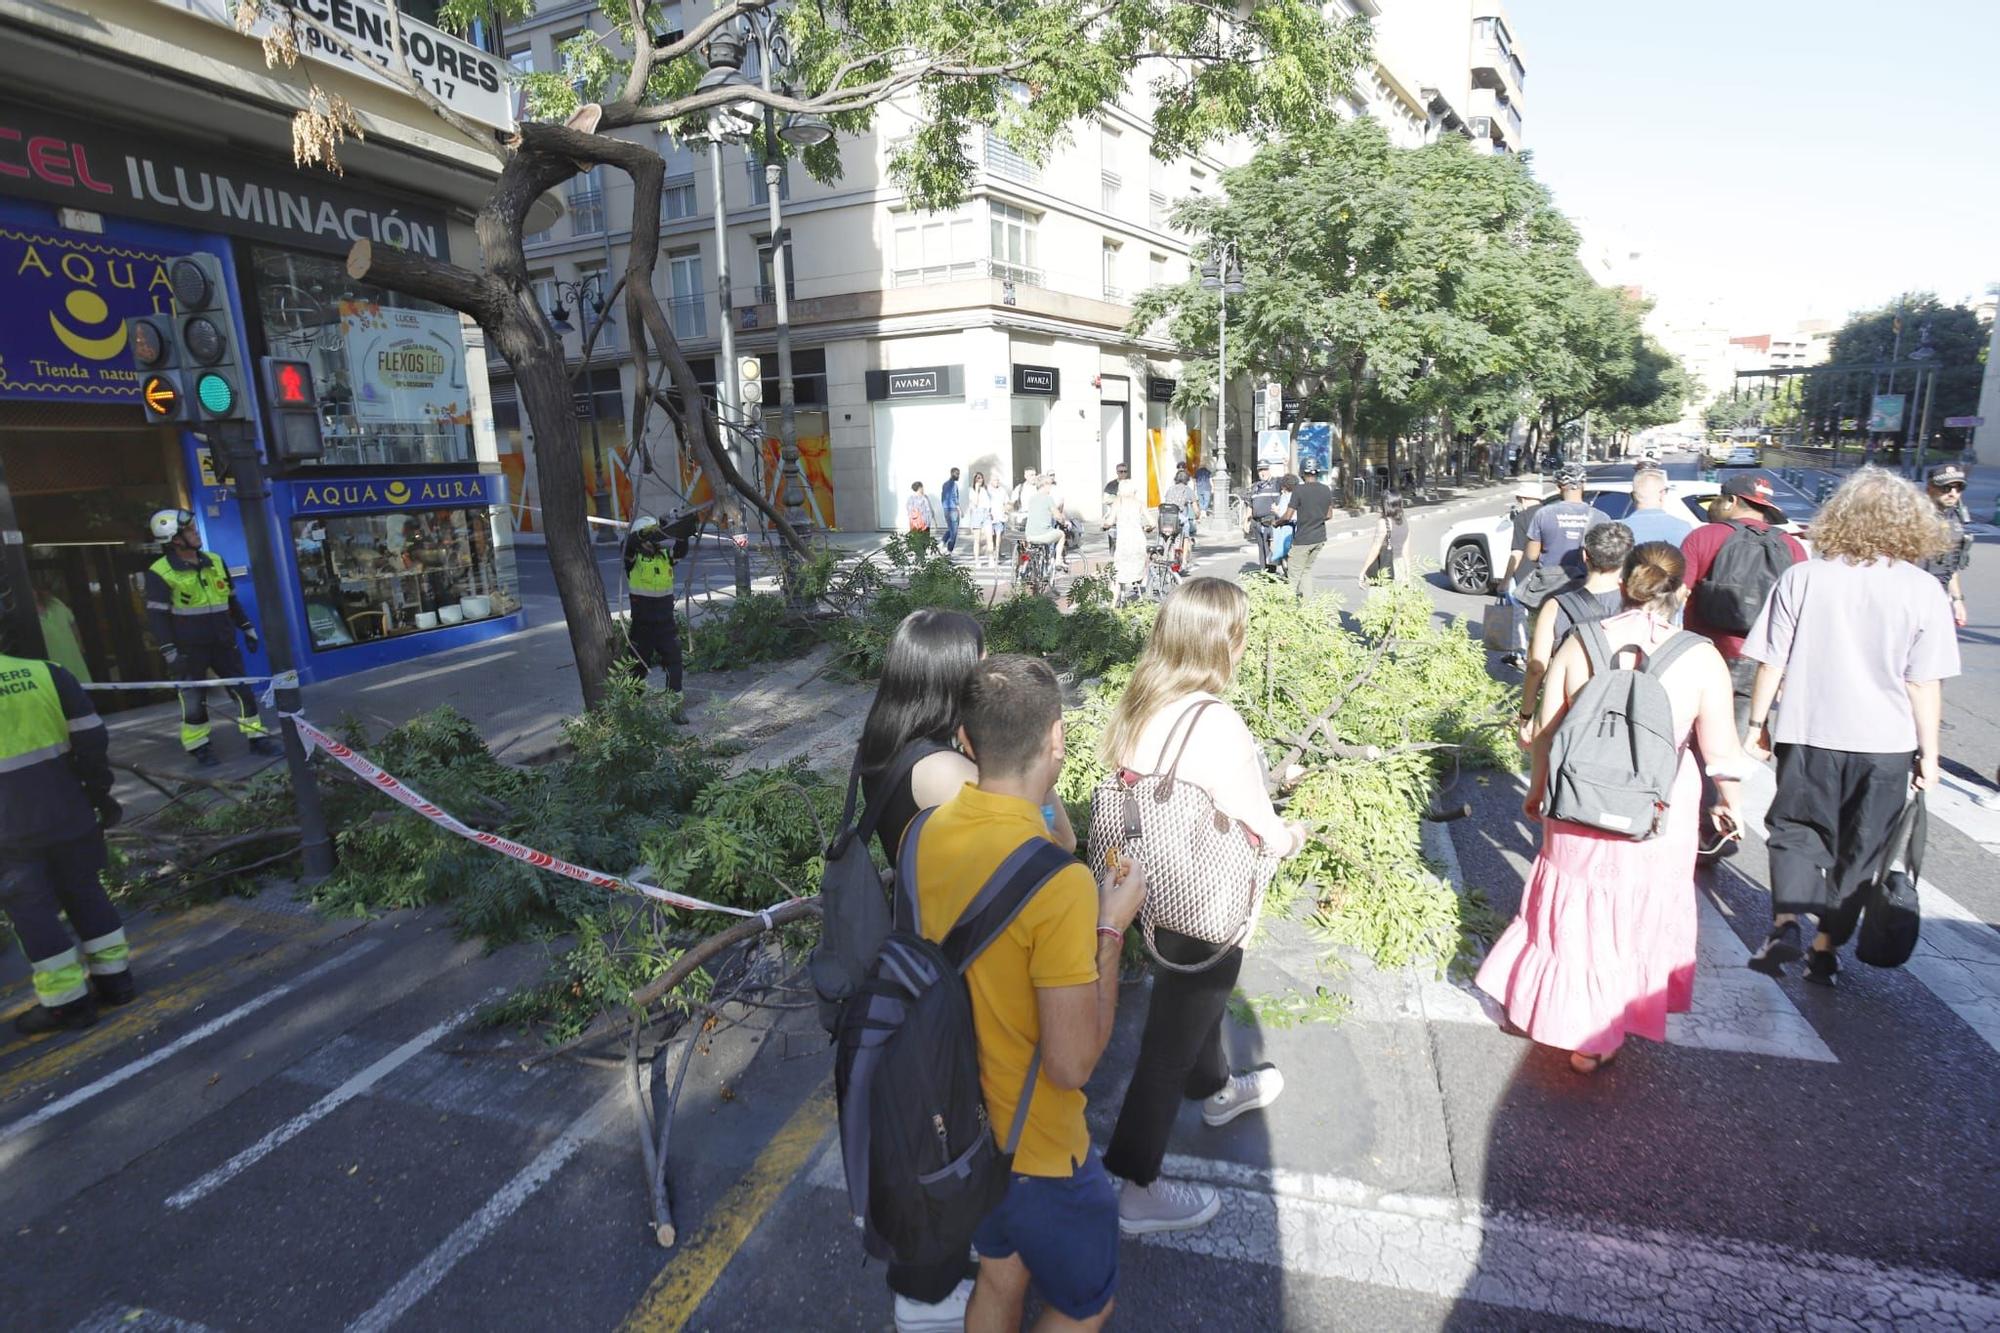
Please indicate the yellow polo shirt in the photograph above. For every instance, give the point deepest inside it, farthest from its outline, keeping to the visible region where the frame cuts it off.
(1053, 942)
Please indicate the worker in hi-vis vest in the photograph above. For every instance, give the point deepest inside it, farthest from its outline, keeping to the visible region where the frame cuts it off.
(55, 803)
(649, 577)
(192, 610)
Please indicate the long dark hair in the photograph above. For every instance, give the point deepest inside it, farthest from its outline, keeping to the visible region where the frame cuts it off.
(1392, 506)
(924, 675)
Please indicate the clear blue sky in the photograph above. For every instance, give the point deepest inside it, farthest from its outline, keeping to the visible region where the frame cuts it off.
(1787, 157)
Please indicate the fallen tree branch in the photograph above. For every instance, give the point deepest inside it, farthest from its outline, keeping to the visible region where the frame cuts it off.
(1312, 729)
(748, 929)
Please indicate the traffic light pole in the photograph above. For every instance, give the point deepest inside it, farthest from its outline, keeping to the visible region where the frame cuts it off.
(252, 490)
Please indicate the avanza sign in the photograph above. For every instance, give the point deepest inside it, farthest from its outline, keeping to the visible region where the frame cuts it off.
(78, 164)
(916, 382)
(463, 77)
(374, 494)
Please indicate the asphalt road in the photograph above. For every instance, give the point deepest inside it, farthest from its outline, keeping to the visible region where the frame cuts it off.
(296, 1127)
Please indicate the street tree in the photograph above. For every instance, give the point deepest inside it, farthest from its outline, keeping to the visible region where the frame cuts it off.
(1029, 69)
(1950, 337)
(1390, 284)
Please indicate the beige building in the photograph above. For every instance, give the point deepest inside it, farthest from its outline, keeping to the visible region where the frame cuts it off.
(991, 337)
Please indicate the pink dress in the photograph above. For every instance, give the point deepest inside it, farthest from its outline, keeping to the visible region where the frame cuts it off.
(1603, 945)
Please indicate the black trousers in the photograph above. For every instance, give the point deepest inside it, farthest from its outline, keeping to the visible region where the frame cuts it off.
(657, 643)
(1829, 823)
(225, 658)
(1180, 1055)
(39, 886)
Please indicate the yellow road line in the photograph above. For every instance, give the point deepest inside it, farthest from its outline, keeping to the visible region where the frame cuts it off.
(152, 1008)
(677, 1293)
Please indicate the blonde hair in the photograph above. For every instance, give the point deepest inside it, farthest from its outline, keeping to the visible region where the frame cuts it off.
(1193, 646)
(1876, 513)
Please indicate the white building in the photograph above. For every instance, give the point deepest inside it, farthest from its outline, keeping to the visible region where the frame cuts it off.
(991, 337)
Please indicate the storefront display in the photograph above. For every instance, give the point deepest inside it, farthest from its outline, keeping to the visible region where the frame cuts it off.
(382, 558)
(390, 368)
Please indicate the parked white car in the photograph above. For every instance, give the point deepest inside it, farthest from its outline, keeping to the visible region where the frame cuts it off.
(1474, 551)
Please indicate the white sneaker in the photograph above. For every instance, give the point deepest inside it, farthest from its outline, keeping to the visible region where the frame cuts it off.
(947, 1316)
(1165, 1205)
(1252, 1091)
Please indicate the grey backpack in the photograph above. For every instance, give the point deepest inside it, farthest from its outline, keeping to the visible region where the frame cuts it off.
(1613, 758)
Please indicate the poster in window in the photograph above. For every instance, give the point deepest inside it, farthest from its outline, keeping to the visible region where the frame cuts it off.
(405, 366)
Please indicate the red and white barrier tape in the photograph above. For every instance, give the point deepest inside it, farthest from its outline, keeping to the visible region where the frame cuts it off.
(397, 790)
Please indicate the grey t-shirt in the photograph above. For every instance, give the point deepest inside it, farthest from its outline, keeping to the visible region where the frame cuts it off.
(1850, 638)
(1559, 526)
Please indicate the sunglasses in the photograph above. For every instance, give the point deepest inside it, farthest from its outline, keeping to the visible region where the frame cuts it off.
(1952, 486)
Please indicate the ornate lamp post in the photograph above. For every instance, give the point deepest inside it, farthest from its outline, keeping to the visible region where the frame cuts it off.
(1221, 273)
(587, 292)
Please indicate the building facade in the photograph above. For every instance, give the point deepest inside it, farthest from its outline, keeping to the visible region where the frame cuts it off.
(150, 130)
(992, 337)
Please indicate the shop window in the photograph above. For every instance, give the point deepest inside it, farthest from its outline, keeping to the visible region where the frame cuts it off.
(390, 369)
(374, 576)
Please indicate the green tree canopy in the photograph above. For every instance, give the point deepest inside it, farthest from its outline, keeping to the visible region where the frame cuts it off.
(1952, 335)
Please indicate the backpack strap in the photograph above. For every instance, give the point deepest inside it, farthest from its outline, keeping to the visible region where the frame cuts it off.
(1669, 652)
(908, 913)
(1006, 893)
(1596, 648)
(1578, 605)
(899, 768)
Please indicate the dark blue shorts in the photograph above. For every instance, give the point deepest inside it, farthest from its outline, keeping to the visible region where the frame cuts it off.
(1066, 1232)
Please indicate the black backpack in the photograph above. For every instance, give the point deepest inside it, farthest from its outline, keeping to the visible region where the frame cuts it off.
(1733, 592)
(922, 1165)
(1169, 521)
(854, 910)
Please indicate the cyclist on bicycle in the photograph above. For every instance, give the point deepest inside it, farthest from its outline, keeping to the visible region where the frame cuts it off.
(1181, 495)
(1038, 518)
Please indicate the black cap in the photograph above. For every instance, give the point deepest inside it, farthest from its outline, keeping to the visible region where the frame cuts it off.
(1755, 488)
(1945, 472)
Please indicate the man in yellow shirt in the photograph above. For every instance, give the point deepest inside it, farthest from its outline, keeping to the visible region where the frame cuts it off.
(1049, 981)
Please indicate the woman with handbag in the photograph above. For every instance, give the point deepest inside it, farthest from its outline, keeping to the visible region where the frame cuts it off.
(1181, 757)
(909, 762)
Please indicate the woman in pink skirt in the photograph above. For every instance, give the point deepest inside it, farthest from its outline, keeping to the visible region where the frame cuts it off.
(1603, 945)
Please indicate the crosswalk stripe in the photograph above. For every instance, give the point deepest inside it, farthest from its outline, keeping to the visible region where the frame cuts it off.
(1630, 1277)
(10, 1132)
(325, 1106)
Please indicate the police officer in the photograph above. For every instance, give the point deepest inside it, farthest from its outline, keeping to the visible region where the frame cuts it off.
(1947, 492)
(649, 575)
(1262, 513)
(192, 610)
(55, 802)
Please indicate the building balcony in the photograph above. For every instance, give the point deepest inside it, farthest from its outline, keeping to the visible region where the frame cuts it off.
(1497, 67)
(1504, 118)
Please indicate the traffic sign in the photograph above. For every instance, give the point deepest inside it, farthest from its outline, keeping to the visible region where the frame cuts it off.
(1961, 423)
(162, 398)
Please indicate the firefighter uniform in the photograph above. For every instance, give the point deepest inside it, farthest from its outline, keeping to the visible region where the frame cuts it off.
(649, 576)
(192, 607)
(55, 787)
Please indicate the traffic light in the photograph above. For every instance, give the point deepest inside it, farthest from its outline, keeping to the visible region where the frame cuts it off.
(213, 375)
(293, 407)
(750, 370)
(156, 356)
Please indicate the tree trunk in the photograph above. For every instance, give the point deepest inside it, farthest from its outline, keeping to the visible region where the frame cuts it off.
(544, 385)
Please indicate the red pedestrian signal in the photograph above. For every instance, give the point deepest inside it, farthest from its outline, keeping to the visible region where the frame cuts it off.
(288, 385)
(292, 409)
(291, 384)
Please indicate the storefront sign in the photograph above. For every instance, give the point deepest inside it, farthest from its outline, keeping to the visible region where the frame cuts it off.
(359, 495)
(406, 366)
(1160, 389)
(460, 75)
(66, 296)
(79, 164)
(1038, 379)
(918, 382)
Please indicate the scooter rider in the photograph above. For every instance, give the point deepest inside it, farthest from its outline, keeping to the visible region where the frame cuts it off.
(649, 576)
(191, 608)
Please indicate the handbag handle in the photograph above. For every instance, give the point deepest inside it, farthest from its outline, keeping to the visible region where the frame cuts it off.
(1153, 948)
(1189, 718)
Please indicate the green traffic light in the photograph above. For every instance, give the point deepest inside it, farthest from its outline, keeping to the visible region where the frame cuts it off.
(216, 393)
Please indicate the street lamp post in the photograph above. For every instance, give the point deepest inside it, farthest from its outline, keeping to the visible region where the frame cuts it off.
(800, 130)
(1220, 273)
(589, 289)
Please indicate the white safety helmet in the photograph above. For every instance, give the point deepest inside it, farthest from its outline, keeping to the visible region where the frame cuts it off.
(645, 523)
(167, 523)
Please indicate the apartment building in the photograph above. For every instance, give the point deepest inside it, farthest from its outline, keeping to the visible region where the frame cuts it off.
(992, 337)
